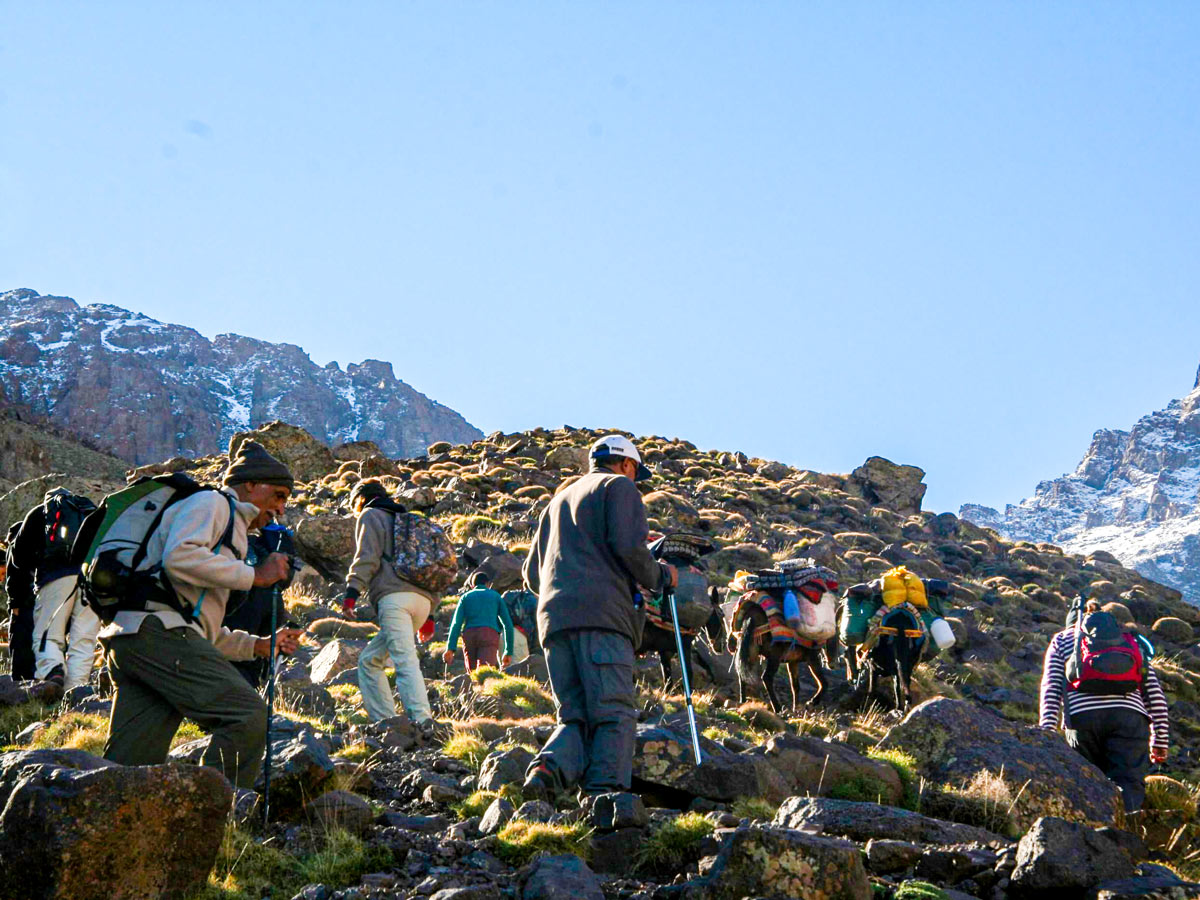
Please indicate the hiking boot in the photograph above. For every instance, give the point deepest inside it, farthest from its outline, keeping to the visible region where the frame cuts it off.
(540, 784)
(56, 675)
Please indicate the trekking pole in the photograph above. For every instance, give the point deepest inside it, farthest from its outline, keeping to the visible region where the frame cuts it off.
(276, 598)
(669, 594)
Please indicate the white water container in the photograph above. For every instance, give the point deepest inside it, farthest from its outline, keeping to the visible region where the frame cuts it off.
(942, 634)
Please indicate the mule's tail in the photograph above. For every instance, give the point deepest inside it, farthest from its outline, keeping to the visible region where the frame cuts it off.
(744, 657)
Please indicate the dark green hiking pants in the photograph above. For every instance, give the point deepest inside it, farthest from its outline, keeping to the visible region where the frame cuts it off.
(163, 675)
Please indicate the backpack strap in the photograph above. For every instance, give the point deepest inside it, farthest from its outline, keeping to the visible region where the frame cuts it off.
(226, 538)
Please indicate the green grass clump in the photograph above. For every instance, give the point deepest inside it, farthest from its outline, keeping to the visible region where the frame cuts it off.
(760, 717)
(466, 527)
(484, 674)
(519, 841)
(986, 801)
(475, 805)
(526, 693)
(667, 848)
(863, 788)
(343, 860)
(15, 719)
(348, 694)
(753, 808)
(906, 767)
(247, 870)
(1167, 793)
(466, 747)
(74, 731)
(357, 752)
(478, 802)
(919, 890)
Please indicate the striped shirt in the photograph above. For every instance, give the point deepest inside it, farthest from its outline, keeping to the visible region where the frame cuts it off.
(1062, 645)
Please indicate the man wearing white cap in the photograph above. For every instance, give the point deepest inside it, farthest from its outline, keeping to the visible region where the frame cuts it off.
(586, 562)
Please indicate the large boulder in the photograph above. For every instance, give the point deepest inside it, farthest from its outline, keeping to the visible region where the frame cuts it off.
(14, 693)
(863, 822)
(575, 458)
(341, 809)
(881, 481)
(811, 766)
(307, 458)
(355, 450)
(300, 770)
(327, 544)
(504, 767)
(760, 861)
(664, 766)
(1060, 858)
(563, 877)
(77, 827)
(503, 569)
(1160, 885)
(335, 657)
(953, 741)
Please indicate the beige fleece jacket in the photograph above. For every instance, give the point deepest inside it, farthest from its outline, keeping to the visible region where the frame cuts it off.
(184, 541)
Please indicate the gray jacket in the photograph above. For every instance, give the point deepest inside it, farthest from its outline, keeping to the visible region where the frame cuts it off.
(372, 572)
(587, 556)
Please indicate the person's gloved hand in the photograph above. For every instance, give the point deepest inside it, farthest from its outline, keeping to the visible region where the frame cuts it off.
(448, 657)
(426, 631)
(1158, 754)
(506, 662)
(348, 602)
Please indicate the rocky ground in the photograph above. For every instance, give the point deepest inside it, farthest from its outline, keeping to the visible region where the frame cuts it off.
(961, 797)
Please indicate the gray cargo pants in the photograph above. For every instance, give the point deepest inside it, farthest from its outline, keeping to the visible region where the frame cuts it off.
(591, 674)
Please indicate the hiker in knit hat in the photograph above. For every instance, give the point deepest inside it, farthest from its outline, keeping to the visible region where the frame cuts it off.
(167, 667)
(254, 464)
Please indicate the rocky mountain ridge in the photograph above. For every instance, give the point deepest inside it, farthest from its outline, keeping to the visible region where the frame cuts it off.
(828, 801)
(1134, 495)
(148, 390)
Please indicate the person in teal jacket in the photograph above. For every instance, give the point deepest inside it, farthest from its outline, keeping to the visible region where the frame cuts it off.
(480, 618)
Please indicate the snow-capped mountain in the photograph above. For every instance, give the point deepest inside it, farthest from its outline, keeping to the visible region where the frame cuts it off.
(1134, 495)
(148, 390)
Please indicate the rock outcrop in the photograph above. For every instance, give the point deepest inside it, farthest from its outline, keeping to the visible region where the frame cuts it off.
(148, 390)
(956, 742)
(77, 827)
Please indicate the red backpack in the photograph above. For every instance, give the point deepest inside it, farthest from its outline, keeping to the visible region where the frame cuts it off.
(1105, 660)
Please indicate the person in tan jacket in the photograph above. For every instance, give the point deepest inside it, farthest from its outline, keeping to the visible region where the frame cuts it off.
(403, 608)
(167, 667)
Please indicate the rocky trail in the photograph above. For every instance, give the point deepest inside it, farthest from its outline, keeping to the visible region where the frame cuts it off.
(961, 797)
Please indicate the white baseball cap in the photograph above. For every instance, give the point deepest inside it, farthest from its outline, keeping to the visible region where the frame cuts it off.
(619, 445)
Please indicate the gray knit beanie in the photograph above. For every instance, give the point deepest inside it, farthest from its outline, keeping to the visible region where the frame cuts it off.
(254, 463)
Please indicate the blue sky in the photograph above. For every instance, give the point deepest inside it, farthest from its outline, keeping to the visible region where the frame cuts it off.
(961, 236)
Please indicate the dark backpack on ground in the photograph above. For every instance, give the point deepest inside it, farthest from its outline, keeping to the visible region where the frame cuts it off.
(65, 513)
(1105, 659)
(111, 547)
